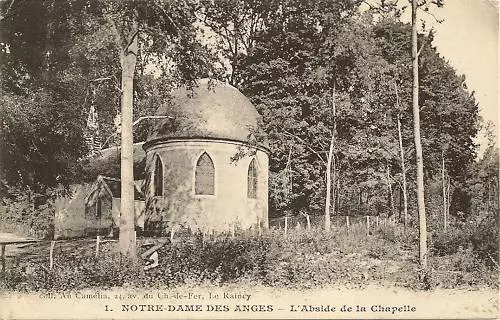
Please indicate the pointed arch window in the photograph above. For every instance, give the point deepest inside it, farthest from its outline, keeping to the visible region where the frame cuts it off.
(98, 209)
(252, 180)
(158, 177)
(204, 176)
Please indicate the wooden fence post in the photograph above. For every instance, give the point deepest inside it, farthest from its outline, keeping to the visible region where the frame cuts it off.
(286, 224)
(51, 254)
(97, 242)
(172, 233)
(3, 258)
(367, 225)
(347, 223)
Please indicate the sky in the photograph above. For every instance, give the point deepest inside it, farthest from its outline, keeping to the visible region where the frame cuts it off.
(468, 39)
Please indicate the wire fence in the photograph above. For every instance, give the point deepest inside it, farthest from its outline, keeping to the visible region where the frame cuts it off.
(337, 222)
(44, 250)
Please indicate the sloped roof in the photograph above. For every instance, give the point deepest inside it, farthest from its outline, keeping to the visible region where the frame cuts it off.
(211, 109)
(112, 187)
(115, 187)
(107, 163)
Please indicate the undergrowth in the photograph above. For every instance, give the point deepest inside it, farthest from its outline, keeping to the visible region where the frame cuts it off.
(301, 259)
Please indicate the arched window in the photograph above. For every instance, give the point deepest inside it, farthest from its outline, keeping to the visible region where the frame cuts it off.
(252, 180)
(98, 209)
(158, 177)
(204, 175)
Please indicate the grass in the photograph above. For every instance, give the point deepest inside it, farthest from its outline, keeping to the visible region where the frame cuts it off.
(301, 259)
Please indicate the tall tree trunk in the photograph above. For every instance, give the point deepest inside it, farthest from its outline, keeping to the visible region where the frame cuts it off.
(389, 188)
(328, 185)
(127, 218)
(334, 182)
(403, 172)
(418, 147)
(497, 195)
(488, 189)
(329, 168)
(448, 199)
(445, 205)
(47, 75)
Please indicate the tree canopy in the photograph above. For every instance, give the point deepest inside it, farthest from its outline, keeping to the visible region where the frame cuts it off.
(288, 57)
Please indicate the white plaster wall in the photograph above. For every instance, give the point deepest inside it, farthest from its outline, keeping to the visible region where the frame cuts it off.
(230, 207)
(69, 221)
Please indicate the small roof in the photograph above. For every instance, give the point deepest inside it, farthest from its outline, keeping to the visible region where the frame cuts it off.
(210, 109)
(113, 188)
(107, 163)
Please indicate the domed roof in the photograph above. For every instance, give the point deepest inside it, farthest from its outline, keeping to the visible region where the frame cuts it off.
(210, 109)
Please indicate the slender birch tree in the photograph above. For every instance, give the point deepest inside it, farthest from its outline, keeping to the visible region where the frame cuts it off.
(418, 145)
(167, 24)
(330, 160)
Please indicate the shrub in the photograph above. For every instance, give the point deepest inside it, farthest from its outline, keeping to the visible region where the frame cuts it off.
(26, 212)
(302, 259)
(71, 272)
(449, 242)
(480, 234)
(462, 269)
(483, 237)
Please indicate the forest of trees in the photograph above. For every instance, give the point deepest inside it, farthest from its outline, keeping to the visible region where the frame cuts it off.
(332, 82)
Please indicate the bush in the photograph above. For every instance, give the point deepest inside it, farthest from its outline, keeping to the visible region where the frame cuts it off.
(71, 272)
(483, 237)
(28, 213)
(302, 259)
(480, 234)
(449, 242)
(462, 269)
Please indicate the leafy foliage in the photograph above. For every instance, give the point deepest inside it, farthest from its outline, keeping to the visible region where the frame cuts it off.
(62, 58)
(302, 259)
(305, 52)
(40, 139)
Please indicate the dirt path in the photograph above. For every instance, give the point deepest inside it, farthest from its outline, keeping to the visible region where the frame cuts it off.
(8, 236)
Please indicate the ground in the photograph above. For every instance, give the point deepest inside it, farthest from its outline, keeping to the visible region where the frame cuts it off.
(230, 300)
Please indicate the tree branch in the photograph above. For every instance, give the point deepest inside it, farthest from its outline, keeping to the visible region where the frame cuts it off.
(169, 18)
(150, 117)
(426, 39)
(383, 7)
(136, 122)
(228, 37)
(112, 77)
(431, 14)
(136, 32)
(7, 12)
(100, 79)
(108, 138)
(493, 260)
(306, 145)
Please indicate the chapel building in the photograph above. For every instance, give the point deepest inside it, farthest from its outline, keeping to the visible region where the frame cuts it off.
(203, 167)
